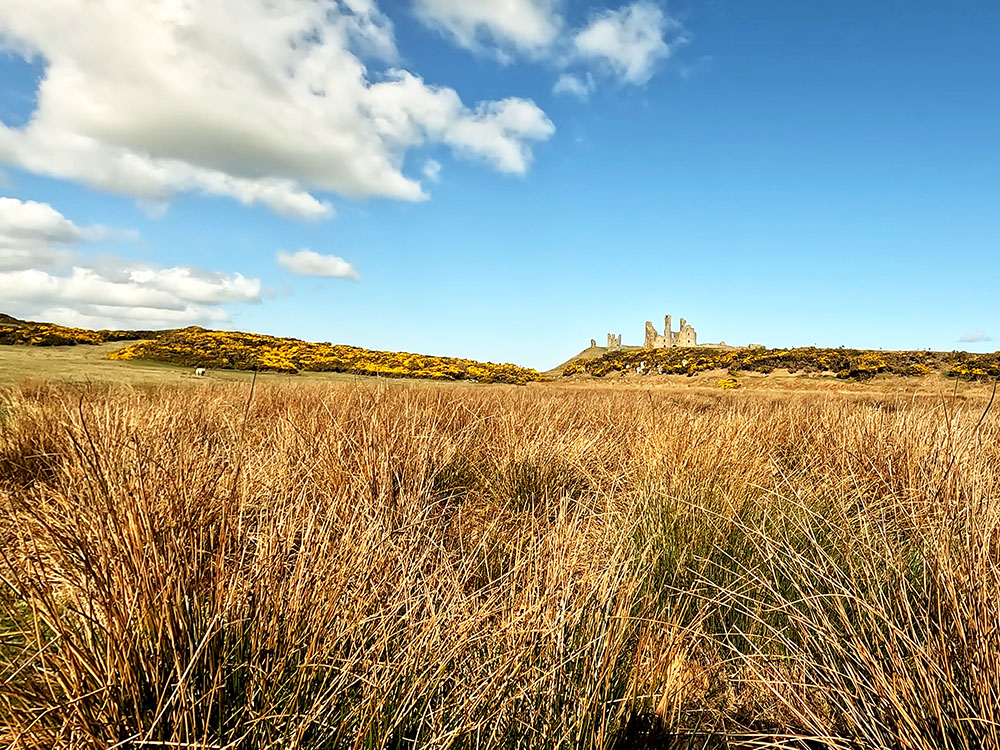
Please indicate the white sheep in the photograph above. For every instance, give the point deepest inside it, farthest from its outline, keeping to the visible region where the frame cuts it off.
(199, 371)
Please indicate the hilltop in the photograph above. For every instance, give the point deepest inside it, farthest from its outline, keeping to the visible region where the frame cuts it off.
(32, 333)
(198, 347)
(230, 350)
(240, 351)
(842, 363)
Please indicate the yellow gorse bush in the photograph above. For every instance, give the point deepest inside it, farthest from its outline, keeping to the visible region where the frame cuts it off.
(198, 347)
(49, 334)
(854, 364)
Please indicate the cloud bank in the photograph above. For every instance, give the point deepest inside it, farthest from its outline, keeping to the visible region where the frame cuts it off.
(976, 337)
(264, 101)
(45, 276)
(33, 234)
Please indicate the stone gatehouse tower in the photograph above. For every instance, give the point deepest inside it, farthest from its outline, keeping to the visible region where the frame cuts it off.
(686, 336)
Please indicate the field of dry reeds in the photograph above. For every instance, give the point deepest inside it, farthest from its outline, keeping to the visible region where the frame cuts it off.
(387, 566)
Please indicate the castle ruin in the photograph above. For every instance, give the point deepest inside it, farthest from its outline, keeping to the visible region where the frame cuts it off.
(669, 339)
(686, 336)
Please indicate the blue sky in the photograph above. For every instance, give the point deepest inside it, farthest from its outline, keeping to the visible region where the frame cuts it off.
(785, 172)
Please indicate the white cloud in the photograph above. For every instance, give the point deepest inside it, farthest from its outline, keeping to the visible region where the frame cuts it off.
(432, 170)
(40, 263)
(35, 234)
(124, 295)
(142, 318)
(309, 263)
(263, 101)
(406, 112)
(976, 337)
(630, 40)
(527, 25)
(580, 87)
(626, 43)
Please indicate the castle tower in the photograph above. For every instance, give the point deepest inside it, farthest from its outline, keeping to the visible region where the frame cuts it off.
(687, 335)
(668, 334)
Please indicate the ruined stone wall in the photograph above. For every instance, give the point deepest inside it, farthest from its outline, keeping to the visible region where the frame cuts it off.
(685, 337)
(653, 339)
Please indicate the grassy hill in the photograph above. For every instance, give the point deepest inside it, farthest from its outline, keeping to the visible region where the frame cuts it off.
(31, 333)
(198, 347)
(847, 364)
(227, 350)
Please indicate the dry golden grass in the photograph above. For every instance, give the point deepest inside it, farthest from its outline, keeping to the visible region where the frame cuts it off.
(353, 566)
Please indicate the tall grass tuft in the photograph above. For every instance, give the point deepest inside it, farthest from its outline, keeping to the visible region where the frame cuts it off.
(390, 566)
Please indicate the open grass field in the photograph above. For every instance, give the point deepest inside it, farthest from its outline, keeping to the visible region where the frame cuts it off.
(604, 564)
(82, 365)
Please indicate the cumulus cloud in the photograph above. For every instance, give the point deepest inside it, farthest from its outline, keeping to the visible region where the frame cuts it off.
(35, 234)
(264, 101)
(976, 337)
(626, 43)
(630, 41)
(310, 263)
(526, 25)
(578, 86)
(408, 111)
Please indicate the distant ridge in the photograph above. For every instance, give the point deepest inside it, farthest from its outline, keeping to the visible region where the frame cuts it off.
(844, 364)
(233, 350)
(33, 333)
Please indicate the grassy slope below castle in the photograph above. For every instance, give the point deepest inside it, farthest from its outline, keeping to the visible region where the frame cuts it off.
(233, 351)
(846, 364)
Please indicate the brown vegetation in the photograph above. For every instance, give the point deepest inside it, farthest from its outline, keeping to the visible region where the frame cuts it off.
(394, 567)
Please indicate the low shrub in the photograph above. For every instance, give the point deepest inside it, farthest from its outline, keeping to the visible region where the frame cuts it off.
(227, 350)
(49, 334)
(847, 364)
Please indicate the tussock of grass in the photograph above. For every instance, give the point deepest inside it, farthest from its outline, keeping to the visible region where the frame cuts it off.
(394, 567)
